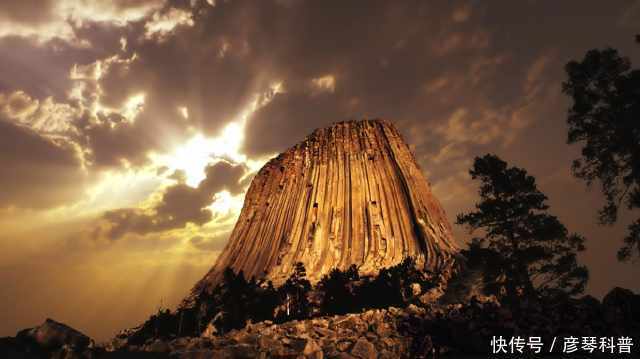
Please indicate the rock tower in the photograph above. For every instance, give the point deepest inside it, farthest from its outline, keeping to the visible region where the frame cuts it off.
(351, 193)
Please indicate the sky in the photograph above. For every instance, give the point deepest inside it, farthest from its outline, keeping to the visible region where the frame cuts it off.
(130, 129)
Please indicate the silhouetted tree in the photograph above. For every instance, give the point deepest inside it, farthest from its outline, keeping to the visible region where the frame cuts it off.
(161, 325)
(382, 291)
(230, 304)
(605, 117)
(338, 295)
(294, 294)
(234, 300)
(189, 322)
(392, 286)
(528, 250)
(264, 299)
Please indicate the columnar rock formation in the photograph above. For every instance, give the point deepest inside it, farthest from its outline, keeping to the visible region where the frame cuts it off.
(348, 194)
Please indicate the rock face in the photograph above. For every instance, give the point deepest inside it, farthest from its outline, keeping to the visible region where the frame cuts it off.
(348, 194)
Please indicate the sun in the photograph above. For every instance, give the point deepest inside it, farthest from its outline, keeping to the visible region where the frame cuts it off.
(198, 151)
(225, 202)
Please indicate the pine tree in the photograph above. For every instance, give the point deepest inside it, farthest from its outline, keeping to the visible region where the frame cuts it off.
(294, 293)
(527, 251)
(605, 118)
(338, 296)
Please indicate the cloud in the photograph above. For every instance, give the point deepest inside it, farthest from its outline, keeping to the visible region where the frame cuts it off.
(163, 24)
(236, 59)
(51, 19)
(118, 104)
(223, 175)
(45, 117)
(179, 176)
(460, 127)
(40, 70)
(452, 151)
(178, 205)
(273, 123)
(27, 11)
(210, 243)
(36, 172)
(324, 83)
(18, 105)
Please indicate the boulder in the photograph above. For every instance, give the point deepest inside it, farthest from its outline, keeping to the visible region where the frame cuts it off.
(364, 349)
(416, 289)
(305, 346)
(344, 345)
(52, 334)
(209, 331)
(415, 310)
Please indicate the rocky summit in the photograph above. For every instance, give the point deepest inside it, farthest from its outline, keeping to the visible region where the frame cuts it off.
(351, 193)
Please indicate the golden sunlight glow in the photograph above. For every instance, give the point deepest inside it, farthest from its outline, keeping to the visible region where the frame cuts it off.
(133, 106)
(196, 153)
(192, 157)
(224, 202)
(88, 77)
(184, 112)
(104, 11)
(114, 189)
(142, 188)
(199, 151)
(166, 256)
(162, 24)
(325, 83)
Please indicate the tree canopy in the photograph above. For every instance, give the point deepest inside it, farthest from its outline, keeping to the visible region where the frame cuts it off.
(605, 119)
(527, 251)
(294, 294)
(339, 296)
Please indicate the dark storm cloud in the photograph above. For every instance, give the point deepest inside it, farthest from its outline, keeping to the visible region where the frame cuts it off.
(41, 70)
(202, 67)
(110, 145)
(180, 204)
(206, 72)
(419, 63)
(26, 11)
(223, 175)
(36, 172)
(41, 67)
(244, 47)
(294, 115)
(415, 62)
(380, 59)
